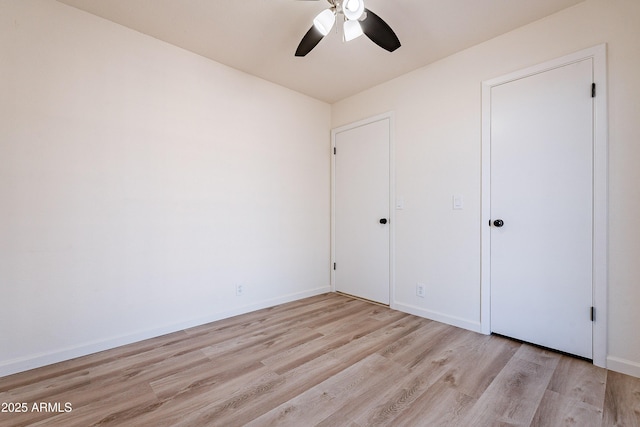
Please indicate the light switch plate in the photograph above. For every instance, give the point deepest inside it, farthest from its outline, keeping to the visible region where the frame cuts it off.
(458, 202)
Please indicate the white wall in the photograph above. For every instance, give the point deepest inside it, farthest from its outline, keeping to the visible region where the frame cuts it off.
(140, 182)
(438, 134)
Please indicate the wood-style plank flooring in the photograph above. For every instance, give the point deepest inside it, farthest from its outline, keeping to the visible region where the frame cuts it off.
(328, 360)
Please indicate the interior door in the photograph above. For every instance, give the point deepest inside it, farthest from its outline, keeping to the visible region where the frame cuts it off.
(541, 208)
(362, 210)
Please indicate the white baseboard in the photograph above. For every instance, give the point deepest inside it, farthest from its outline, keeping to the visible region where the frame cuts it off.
(623, 366)
(38, 360)
(439, 317)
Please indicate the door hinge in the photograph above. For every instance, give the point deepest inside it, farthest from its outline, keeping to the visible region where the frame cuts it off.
(593, 90)
(334, 265)
(334, 150)
(593, 314)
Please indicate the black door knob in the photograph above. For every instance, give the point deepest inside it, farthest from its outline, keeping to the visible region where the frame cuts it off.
(383, 220)
(498, 223)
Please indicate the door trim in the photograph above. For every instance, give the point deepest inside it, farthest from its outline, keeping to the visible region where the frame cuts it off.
(600, 192)
(392, 219)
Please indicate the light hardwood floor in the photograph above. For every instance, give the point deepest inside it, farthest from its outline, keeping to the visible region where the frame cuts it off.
(329, 361)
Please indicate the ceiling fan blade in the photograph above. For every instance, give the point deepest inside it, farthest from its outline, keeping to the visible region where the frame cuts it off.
(379, 32)
(309, 41)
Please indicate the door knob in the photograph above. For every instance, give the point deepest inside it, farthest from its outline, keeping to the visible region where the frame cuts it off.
(383, 220)
(498, 223)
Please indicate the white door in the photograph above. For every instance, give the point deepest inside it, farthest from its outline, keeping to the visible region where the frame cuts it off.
(541, 208)
(361, 224)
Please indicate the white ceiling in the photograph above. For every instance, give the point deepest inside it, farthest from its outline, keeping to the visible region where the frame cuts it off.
(260, 36)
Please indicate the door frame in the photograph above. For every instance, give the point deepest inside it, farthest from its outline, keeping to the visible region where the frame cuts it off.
(392, 219)
(600, 191)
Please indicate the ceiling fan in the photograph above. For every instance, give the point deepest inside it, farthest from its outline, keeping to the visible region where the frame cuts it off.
(358, 20)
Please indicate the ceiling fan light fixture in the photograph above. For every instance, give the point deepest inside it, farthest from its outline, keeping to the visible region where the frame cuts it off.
(352, 30)
(324, 21)
(353, 9)
(356, 19)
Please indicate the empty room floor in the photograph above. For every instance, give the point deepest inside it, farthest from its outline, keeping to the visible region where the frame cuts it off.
(328, 360)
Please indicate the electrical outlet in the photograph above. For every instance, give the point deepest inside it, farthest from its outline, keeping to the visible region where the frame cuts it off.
(420, 291)
(239, 290)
